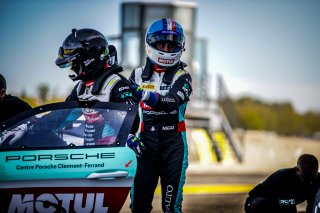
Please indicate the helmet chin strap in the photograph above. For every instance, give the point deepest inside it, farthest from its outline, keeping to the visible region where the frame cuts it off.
(73, 77)
(78, 76)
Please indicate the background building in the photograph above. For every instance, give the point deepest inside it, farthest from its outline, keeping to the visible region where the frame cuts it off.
(136, 17)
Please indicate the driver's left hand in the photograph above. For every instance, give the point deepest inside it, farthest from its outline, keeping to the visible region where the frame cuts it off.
(13, 135)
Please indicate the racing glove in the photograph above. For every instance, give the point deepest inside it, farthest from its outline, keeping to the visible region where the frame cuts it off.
(148, 97)
(13, 135)
(135, 144)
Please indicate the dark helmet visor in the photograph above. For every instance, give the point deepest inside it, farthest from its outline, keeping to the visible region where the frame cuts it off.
(67, 57)
(166, 36)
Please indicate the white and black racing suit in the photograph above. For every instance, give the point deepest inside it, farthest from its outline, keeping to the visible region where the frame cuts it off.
(108, 87)
(163, 132)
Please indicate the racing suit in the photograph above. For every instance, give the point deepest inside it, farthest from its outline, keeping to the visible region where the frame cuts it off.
(163, 132)
(281, 192)
(316, 207)
(108, 87)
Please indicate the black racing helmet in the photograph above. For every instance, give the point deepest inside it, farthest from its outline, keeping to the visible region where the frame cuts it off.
(85, 52)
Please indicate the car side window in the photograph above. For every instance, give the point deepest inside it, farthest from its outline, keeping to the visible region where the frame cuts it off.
(69, 127)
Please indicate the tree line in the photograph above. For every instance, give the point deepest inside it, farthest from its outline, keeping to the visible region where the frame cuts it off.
(254, 114)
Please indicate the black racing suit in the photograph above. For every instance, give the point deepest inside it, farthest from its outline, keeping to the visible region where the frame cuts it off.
(281, 192)
(110, 86)
(163, 132)
(316, 207)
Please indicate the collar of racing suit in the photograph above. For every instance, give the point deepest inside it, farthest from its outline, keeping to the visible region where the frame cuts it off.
(158, 69)
(168, 74)
(98, 82)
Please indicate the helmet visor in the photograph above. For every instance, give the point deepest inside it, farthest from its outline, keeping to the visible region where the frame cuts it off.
(67, 58)
(174, 39)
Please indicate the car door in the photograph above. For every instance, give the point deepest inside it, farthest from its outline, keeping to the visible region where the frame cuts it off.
(67, 157)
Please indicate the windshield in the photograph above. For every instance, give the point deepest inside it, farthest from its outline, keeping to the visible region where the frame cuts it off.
(69, 124)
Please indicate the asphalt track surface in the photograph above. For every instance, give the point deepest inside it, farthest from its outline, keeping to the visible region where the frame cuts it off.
(213, 193)
(217, 193)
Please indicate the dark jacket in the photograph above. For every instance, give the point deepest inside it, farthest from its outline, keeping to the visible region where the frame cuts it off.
(286, 186)
(11, 106)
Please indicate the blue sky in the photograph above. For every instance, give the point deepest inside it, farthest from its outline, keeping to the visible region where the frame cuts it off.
(267, 48)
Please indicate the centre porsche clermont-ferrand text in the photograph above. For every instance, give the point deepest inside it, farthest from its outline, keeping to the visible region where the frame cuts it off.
(60, 166)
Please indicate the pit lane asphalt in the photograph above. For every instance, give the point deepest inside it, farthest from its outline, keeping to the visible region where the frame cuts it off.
(215, 189)
(210, 189)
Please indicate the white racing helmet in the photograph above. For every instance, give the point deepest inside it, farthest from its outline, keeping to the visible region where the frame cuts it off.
(165, 30)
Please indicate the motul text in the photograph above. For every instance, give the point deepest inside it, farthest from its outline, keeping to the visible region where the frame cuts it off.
(62, 202)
